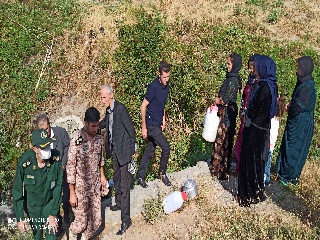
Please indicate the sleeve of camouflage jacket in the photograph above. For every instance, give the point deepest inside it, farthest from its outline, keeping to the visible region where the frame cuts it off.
(72, 160)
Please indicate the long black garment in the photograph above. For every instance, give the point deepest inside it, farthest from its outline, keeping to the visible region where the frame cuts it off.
(227, 113)
(250, 179)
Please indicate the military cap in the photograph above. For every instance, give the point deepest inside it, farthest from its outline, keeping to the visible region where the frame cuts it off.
(41, 139)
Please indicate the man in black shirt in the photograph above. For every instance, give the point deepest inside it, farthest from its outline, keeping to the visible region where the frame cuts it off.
(153, 123)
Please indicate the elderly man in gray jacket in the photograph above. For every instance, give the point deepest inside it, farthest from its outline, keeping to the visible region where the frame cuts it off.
(120, 145)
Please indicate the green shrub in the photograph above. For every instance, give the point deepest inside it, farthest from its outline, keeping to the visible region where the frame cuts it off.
(11, 233)
(27, 29)
(255, 2)
(153, 211)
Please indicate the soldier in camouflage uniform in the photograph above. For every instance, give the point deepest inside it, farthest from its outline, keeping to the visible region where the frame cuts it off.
(85, 182)
(37, 187)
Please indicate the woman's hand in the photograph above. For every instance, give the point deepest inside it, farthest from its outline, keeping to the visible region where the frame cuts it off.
(287, 106)
(144, 133)
(103, 180)
(218, 101)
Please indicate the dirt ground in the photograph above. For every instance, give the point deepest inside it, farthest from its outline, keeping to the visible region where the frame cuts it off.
(192, 221)
(212, 209)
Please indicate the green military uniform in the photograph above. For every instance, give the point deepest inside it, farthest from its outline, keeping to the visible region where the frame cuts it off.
(37, 191)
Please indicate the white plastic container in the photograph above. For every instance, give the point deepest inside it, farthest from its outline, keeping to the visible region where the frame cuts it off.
(210, 124)
(173, 201)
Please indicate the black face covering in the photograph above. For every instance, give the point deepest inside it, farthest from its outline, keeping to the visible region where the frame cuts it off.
(306, 66)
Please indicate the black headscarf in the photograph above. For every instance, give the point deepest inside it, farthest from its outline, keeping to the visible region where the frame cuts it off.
(266, 68)
(306, 66)
(236, 66)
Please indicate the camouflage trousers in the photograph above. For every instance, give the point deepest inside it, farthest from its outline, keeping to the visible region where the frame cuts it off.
(87, 215)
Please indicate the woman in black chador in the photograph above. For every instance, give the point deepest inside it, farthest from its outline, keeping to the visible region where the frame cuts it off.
(262, 107)
(228, 110)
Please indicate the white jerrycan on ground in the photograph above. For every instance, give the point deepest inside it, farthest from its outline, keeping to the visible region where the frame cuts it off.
(173, 201)
(210, 124)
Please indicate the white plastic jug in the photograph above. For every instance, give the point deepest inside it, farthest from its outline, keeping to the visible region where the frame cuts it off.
(210, 124)
(173, 201)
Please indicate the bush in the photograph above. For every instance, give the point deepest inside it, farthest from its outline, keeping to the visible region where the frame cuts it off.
(27, 29)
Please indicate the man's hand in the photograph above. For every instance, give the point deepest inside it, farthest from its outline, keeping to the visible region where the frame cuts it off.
(103, 180)
(52, 224)
(22, 226)
(163, 121)
(73, 200)
(144, 132)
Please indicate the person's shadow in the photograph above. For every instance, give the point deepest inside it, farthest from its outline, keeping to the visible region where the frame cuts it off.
(281, 196)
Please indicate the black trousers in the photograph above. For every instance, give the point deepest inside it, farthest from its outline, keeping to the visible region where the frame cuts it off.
(232, 112)
(122, 181)
(65, 204)
(155, 138)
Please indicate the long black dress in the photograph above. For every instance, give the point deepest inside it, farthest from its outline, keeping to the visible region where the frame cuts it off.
(220, 156)
(227, 113)
(250, 179)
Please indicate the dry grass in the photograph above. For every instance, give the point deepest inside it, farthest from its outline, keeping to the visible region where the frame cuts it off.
(229, 221)
(214, 214)
(310, 189)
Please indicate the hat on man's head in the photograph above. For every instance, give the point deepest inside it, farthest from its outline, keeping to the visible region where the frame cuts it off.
(40, 138)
